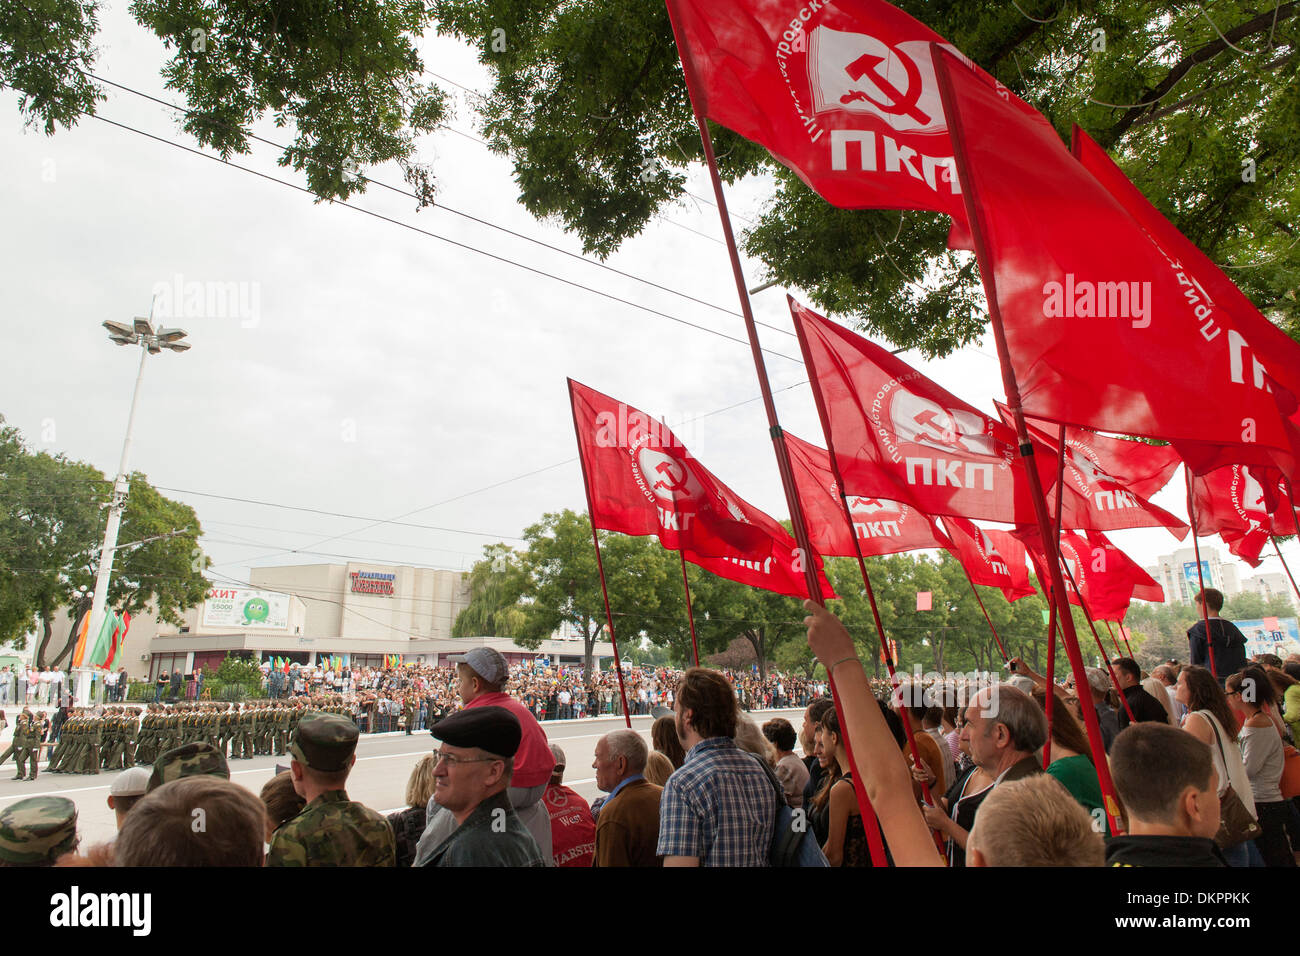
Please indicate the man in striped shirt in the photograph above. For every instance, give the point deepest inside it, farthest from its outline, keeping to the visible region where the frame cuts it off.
(719, 807)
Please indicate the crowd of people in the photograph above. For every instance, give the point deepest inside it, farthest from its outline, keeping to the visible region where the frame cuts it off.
(1201, 758)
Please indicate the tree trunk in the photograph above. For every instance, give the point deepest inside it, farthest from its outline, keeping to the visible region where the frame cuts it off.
(756, 640)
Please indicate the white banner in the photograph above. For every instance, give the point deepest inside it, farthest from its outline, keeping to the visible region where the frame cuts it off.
(240, 607)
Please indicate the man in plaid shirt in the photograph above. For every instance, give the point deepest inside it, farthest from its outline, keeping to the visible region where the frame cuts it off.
(719, 807)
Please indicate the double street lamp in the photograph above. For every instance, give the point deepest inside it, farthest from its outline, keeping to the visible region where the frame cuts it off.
(151, 342)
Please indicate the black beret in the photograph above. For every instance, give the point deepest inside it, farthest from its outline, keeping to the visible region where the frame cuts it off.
(493, 729)
(324, 742)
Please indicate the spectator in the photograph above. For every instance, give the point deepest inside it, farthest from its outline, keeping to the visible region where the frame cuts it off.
(37, 831)
(126, 791)
(627, 831)
(1287, 690)
(750, 739)
(282, 802)
(409, 824)
(908, 704)
(812, 717)
(1227, 643)
(176, 683)
(663, 735)
(1250, 692)
(1069, 760)
(331, 830)
(1098, 687)
(1129, 683)
(1156, 689)
(1034, 822)
(718, 809)
(1166, 780)
(481, 676)
(573, 831)
(658, 769)
(160, 829)
(191, 760)
(159, 686)
(846, 838)
(471, 780)
(789, 768)
(1211, 721)
(1168, 677)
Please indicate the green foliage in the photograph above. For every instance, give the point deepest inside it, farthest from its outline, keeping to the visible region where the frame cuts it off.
(346, 78)
(238, 670)
(51, 528)
(589, 103)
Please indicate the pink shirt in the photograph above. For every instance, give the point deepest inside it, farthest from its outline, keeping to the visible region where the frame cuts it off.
(534, 760)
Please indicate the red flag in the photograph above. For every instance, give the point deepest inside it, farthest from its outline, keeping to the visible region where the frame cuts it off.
(1142, 469)
(1252, 338)
(881, 526)
(642, 480)
(1107, 578)
(896, 433)
(992, 558)
(776, 568)
(1104, 329)
(1244, 505)
(843, 93)
(1094, 498)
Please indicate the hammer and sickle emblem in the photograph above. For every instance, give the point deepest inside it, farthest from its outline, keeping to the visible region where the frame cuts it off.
(900, 102)
(674, 479)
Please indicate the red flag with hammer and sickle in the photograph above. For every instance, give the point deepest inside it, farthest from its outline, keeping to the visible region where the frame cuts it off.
(1244, 505)
(843, 93)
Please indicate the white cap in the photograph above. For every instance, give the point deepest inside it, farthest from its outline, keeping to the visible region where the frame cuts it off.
(133, 782)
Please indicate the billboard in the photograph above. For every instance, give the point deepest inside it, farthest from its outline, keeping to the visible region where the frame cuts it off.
(243, 607)
(1272, 635)
(1192, 582)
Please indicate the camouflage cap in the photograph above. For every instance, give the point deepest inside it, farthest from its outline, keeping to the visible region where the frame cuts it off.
(324, 742)
(192, 760)
(38, 830)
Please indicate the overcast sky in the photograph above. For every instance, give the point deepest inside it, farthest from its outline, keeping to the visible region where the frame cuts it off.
(372, 371)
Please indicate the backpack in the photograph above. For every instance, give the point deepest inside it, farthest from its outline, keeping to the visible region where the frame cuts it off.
(791, 846)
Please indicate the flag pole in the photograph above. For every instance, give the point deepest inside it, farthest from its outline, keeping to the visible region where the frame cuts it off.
(1295, 519)
(1012, 388)
(971, 581)
(769, 407)
(1087, 616)
(600, 565)
(1121, 634)
(690, 615)
(1051, 626)
(1200, 575)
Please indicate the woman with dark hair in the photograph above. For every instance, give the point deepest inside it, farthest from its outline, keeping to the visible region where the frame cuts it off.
(819, 814)
(663, 735)
(1250, 693)
(1210, 720)
(846, 839)
(1070, 759)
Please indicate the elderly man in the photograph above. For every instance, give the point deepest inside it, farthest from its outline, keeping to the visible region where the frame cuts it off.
(627, 830)
(470, 782)
(1168, 676)
(1004, 726)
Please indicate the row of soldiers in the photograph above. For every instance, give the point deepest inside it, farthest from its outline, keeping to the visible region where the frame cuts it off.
(121, 737)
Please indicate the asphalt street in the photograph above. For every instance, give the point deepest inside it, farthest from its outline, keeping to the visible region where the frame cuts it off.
(384, 762)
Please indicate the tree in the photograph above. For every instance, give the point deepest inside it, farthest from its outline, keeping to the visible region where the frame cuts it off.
(345, 77)
(496, 585)
(600, 132)
(51, 530)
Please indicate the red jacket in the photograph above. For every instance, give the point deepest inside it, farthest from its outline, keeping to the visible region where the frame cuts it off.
(533, 761)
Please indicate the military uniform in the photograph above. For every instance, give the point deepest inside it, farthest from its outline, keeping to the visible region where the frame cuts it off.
(37, 831)
(27, 742)
(331, 830)
(130, 739)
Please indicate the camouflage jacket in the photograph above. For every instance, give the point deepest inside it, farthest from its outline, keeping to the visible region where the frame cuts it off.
(334, 831)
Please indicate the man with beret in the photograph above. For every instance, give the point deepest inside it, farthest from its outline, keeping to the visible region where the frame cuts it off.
(331, 830)
(470, 783)
(37, 831)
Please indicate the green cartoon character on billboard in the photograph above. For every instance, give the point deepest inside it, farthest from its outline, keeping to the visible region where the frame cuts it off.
(256, 610)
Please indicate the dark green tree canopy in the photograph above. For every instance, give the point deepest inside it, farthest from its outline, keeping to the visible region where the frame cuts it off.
(345, 77)
(590, 104)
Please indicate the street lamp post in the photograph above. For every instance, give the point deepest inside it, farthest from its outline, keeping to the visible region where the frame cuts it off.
(151, 342)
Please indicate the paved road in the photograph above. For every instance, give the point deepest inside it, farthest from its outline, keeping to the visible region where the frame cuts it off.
(384, 762)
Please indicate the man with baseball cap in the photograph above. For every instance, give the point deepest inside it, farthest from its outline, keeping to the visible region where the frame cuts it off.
(331, 830)
(127, 789)
(470, 782)
(481, 675)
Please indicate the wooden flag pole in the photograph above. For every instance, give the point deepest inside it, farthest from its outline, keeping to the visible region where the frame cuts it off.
(1087, 616)
(769, 406)
(1200, 575)
(690, 615)
(1012, 388)
(600, 567)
